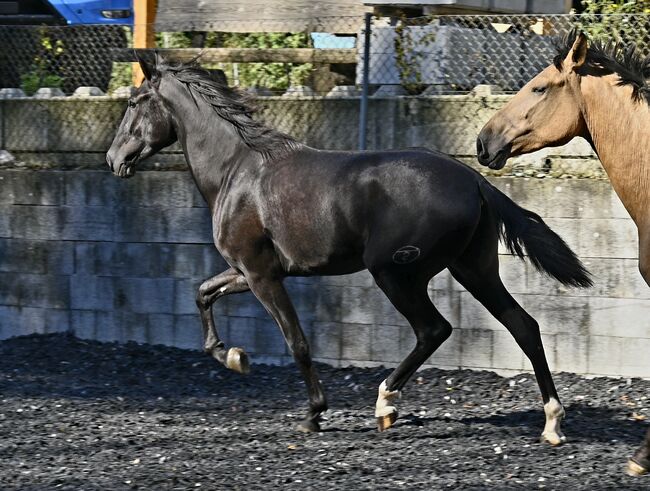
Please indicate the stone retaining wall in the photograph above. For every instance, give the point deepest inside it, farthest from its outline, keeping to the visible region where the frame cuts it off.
(110, 259)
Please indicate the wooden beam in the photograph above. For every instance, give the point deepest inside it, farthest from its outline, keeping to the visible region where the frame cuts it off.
(144, 12)
(252, 55)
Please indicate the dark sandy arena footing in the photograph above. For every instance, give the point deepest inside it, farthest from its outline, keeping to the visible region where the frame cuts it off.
(87, 415)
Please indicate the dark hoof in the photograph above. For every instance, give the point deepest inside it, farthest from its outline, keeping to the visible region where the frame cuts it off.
(237, 360)
(385, 422)
(634, 469)
(308, 426)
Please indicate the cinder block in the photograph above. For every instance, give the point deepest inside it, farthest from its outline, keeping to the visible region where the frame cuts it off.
(356, 340)
(244, 304)
(474, 316)
(172, 189)
(185, 296)
(193, 261)
(83, 324)
(32, 290)
(476, 348)
(18, 321)
(26, 256)
(624, 357)
(242, 333)
(368, 306)
(35, 187)
(135, 327)
(91, 188)
(59, 223)
(56, 321)
(505, 352)
(619, 317)
(92, 293)
(571, 353)
(162, 329)
(449, 353)
(448, 303)
(387, 343)
(559, 314)
(326, 340)
(109, 326)
(156, 224)
(188, 332)
(145, 295)
(118, 259)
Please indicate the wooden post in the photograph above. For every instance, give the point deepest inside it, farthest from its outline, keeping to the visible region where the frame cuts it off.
(144, 13)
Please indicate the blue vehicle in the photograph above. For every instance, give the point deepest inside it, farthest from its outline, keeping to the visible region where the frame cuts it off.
(53, 12)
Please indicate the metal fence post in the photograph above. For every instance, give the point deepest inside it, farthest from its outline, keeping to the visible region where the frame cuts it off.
(363, 115)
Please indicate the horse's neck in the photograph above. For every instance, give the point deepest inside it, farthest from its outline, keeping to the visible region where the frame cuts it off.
(213, 151)
(619, 128)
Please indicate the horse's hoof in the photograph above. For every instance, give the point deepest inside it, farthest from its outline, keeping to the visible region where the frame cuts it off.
(635, 470)
(386, 421)
(237, 360)
(308, 426)
(553, 439)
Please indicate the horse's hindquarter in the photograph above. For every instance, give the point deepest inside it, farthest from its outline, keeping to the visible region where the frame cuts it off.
(324, 210)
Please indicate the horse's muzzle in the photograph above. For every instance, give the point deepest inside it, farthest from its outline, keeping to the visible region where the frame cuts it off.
(124, 169)
(491, 152)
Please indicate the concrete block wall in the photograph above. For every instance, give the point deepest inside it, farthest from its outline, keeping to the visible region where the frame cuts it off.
(113, 259)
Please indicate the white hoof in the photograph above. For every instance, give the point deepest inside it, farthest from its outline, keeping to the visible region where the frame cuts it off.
(385, 411)
(552, 433)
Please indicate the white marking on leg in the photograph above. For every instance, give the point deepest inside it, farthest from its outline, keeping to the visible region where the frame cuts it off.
(554, 415)
(223, 289)
(385, 398)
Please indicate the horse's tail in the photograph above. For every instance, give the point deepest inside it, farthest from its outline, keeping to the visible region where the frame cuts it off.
(520, 229)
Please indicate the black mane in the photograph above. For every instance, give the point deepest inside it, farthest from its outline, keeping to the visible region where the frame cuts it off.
(234, 106)
(612, 57)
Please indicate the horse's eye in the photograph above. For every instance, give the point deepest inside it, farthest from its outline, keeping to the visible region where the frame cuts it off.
(131, 103)
(539, 90)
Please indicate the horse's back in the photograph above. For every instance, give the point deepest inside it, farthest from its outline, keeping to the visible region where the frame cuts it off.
(330, 212)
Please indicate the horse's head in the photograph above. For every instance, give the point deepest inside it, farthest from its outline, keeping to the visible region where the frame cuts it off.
(544, 113)
(146, 128)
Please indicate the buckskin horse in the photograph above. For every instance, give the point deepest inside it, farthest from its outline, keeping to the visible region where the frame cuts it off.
(280, 208)
(598, 92)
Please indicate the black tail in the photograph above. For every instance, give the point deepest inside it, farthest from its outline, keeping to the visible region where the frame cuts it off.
(521, 229)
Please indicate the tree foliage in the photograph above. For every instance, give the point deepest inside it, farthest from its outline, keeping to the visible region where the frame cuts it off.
(618, 20)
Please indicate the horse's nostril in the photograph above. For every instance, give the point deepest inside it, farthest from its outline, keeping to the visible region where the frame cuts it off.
(480, 149)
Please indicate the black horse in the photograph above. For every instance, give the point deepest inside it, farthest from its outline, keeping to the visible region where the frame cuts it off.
(280, 208)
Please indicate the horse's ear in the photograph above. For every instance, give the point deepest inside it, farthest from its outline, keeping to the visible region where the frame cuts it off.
(148, 70)
(577, 55)
(158, 59)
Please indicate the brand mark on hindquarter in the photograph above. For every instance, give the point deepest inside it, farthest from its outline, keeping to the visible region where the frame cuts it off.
(406, 254)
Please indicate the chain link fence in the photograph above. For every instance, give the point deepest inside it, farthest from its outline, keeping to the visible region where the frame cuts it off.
(421, 74)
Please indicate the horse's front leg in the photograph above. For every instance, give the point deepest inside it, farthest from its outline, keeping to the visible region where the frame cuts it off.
(230, 281)
(272, 294)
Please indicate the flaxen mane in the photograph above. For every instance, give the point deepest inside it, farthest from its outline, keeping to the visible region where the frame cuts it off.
(234, 106)
(626, 61)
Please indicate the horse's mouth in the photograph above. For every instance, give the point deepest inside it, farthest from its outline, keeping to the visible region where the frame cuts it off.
(127, 168)
(500, 158)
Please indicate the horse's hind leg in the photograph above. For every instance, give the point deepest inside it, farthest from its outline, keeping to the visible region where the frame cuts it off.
(230, 281)
(478, 271)
(431, 329)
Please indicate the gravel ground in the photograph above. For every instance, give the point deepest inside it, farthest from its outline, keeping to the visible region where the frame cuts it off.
(87, 415)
